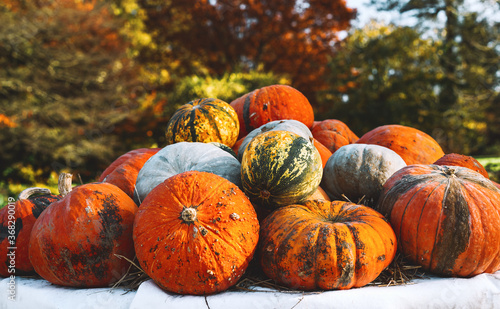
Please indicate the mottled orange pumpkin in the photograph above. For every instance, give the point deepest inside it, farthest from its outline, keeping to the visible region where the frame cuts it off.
(204, 120)
(124, 170)
(413, 145)
(446, 218)
(195, 233)
(16, 221)
(325, 245)
(274, 102)
(333, 134)
(455, 159)
(74, 242)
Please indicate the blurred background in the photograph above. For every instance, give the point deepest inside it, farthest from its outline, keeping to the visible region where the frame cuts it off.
(84, 81)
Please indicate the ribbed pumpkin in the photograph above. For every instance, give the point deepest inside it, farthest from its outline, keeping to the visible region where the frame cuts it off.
(280, 168)
(446, 218)
(74, 242)
(182, 157)
(455, 159)
(274, 102)
(195, 233)
(289, 125)
(204, 120)
(413, 145)
(333, 134)
(16, 222)
(325, 245)
(359, 171)
(124, 170)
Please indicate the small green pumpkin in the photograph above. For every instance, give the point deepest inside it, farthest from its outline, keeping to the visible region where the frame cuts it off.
(280, 168)
(204, 120)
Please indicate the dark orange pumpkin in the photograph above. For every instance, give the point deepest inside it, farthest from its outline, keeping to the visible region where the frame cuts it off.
(333, 134)
(325, 245)
(195, 233)
(16, 221)
(455, 159)
(446, 218)
(275, 102)
(413, 145)
(324, 152)
(124, 170)
(75, 241)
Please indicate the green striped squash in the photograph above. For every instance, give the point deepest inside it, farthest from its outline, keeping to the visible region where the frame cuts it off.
(280, 168)
(204, 120)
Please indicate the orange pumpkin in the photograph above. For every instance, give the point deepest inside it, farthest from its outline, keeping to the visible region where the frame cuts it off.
(446, 218)
(325, 245)
(455, 159)
(195, 233)
(124, 170)
(413, 145)
(16, 221)
(274, 102)
(333, 134)
(324, 152)
(75, 241)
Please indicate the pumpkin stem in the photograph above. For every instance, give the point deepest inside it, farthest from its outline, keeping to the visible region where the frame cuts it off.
(265, 194)
(449, 171)
(188, 215)
(26, 193)
(64, 183)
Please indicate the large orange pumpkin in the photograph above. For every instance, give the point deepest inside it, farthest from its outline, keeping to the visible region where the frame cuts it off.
(195, 233)
(124, 170)
(333, 134)
(274, 102)
(74, 242)
(325, 245)
(455, 159)
(446, 218)
(413, 145)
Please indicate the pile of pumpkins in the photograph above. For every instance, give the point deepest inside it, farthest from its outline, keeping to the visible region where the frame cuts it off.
(316, 206)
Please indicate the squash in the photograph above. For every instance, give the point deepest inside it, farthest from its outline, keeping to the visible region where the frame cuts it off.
(324, 152)
(182, 157)
(325, 245)
(455, 159)
(413, 145)
(358, 172)
(333, 134)
(75, 241)
(277, 125)
(280, 168)
(274, 102)
(204, 120)
(16, 222)
(124, 170)
(195, 233)
(446, 218)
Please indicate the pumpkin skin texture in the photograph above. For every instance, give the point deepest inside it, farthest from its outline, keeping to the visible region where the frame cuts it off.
(455, 159)
(195, 233)
(21, 214)
(324, 152)
(333, 134)
(359, 171)
(204, 120)
(123, 173)
(325, 245)
(74, 241)
(294, 126)
(445, 218)
(274, 102)
(413, 145)
(280, 168)
(182, 157)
